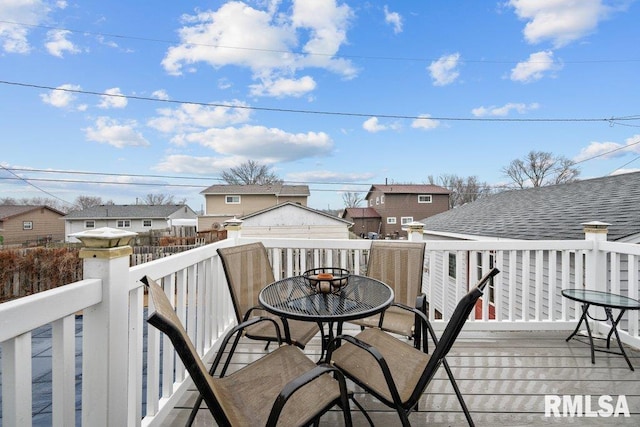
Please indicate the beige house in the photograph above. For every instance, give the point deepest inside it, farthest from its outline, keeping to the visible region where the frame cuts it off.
(20, 224)
(224, 202)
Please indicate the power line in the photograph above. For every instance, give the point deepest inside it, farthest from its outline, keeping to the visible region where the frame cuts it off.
(302, 53)
(18, 177)
(325, 112)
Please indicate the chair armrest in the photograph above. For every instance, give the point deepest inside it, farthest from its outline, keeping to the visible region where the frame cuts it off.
(237, 331)
(297, 383)
(422, 324)
(375, 353)
(421, 303)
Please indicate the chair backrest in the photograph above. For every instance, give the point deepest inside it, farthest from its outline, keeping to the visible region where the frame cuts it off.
(453, 328)
(165, 319)
(248, 270)
(400, 265)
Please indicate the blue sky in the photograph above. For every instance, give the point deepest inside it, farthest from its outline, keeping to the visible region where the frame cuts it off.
(162, 97)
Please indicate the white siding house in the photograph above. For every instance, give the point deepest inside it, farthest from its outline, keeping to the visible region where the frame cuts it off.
(136, 218)
(550, 213)
(294, 221)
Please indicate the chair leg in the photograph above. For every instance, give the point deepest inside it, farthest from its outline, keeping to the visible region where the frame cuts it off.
(457, 390)
(364, 412)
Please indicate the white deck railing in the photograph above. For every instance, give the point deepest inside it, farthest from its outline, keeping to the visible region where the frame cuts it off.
(526, 295)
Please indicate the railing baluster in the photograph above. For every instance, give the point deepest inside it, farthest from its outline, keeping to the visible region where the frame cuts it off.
(63, 367)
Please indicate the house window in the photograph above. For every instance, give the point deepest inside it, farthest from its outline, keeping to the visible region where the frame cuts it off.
(377, 201)
(406, 220)
(232, 200)
(123, 223)
(382, 199)
(370, 202)
(27, 225)
(89, 224)
(391, 220)
(424, 198)
(452, 265)
(146, 223)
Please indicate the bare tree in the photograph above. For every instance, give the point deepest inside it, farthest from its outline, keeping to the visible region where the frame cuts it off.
(250, 172)
(85, 202)
(351, 199)
(162, 199)
(463, 190)
(539, 168)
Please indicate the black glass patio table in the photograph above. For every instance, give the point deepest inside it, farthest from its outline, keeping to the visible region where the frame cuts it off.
(608, 301)
(294, 298)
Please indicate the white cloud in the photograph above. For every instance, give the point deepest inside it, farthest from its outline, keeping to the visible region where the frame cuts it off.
(180, 163)
(394, 19)
(62, 97)
(444, 71)
(559, 21)
(373, 125)
(194, 118)
(268, 42)
(274, 145)
(329, 176)
(13, 37)
(112, 132)
(284, 87)
(505, 110)
(160, 94)
(113, 99)
(608, 150)
(57, 43)
(425, 122)
(534, 67)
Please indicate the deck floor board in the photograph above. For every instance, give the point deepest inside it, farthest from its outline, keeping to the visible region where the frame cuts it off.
(504, 377)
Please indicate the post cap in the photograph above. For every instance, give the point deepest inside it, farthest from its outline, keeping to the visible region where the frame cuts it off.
(104, 237)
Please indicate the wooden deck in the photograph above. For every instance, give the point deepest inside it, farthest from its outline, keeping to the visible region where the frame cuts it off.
(504, 377)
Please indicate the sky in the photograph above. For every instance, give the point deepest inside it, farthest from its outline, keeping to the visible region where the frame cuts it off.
(119, 99)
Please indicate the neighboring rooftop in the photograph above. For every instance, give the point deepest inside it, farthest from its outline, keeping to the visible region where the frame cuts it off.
(276, 189)
(126, 211)
(549, 213)
(360, 213)
(7, 211)
(295, 205)
(408, 189)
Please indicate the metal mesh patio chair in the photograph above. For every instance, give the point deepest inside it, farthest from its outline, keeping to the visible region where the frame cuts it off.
(248, 270)
(395, 372)
(400, 265)
(283, 388)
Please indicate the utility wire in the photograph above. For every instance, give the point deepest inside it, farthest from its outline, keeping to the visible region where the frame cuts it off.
(319, 112)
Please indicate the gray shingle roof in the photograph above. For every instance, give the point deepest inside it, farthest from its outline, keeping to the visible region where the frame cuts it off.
(126, 211)
(549, 213)
(279, 189)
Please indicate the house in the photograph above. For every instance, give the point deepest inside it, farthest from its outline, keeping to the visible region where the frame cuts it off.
(136, 218)
(546, 213)
(366, 220)
(555, 212)
(224, 202)
(21, 224)
(400, 204)
(292, 220)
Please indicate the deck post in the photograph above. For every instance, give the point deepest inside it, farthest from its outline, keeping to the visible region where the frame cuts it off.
(414, 231)
(595, 269)
(105, 340)
(233, 227)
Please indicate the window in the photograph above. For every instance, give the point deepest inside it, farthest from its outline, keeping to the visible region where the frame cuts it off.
(370, 202)
(377, 201)
(406, 220)
(391, 220)
(146, 223)
(452, 265)
(382, 199)
(27, 225)
(124, 223)
(90, 224)
(424, 198)
(232, 200)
